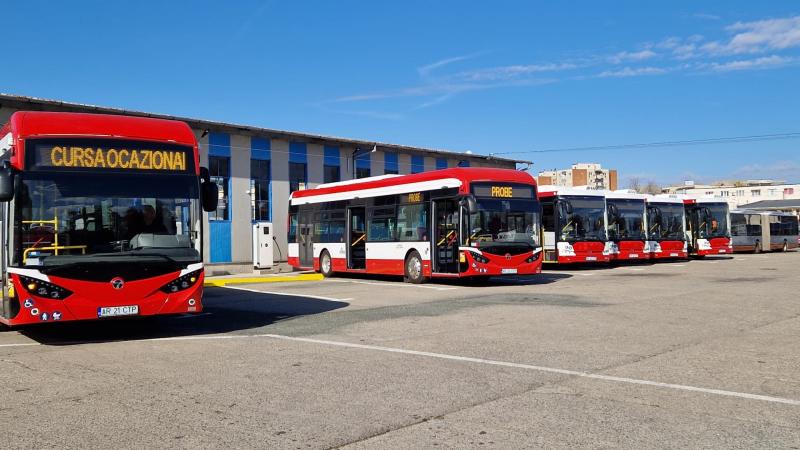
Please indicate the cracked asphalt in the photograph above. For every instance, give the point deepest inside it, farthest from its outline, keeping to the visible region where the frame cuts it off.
(689, 354)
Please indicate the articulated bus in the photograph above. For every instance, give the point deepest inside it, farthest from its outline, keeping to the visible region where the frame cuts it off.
(708, 226)
(100, 217)
(666, 227)
(460, 222)
(626, 212)
(756, 231)
(574, 224)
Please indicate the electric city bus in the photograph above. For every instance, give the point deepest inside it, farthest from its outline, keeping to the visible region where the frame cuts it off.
(459, 222)
(626, 212)
(708, 230)
(574, 224)
(756, 231)
(666, 227)
(100, 217)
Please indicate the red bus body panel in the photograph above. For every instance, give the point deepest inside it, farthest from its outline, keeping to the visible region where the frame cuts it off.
(630, 250)
(591, 252)
(670, 250)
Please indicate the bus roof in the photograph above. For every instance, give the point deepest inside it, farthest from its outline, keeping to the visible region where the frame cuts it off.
(676, 199)
(625, 195)
(547, 190)
(458, 177)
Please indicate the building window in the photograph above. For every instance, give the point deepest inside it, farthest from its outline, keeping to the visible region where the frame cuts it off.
(390, 165)
(441, 163)
(788, 191)
(755, 192)
(331, 169)
(463, 163)
(362, 161)
(297, 176)
(417, 163)
(219, 167)
(298, 169)
(259, 189)
(740, 193)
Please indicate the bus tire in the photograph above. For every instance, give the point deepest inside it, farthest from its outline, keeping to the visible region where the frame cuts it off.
(757, 248)
(325, 264)
(413, 268)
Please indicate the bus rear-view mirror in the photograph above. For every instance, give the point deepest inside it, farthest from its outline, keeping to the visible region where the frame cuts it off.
(566, 207)
(209, 192)
(470, 204)
(613, 210)
(6, 183)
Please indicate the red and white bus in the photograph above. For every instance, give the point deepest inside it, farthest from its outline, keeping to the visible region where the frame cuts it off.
(460, 222)
(708, 226)
(100, 217)
(626, 212)
(666, 227)
(574, 223)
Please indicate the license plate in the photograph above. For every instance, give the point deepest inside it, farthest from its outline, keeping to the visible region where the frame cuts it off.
(509, 271)
(112, 311)
(722, 251)
(591, 258)
(673, 254)
(634, 255)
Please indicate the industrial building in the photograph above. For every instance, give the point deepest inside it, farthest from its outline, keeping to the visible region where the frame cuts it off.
(257, 168)
(742, 193)
(591, 175)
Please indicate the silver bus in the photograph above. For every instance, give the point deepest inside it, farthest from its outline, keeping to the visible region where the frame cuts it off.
(757, 231)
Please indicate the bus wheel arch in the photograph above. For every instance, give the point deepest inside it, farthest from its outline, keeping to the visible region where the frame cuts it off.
(413, 268)
(325, 263)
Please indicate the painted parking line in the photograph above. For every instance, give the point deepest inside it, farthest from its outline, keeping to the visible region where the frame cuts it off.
(21, 344)
(287, 294)
(376, 283)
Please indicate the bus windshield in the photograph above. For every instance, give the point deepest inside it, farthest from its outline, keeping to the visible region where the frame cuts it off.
(513, 221)
(628, 221)
(585, 222)
(712, 220)
(66, 218)
(665, 222)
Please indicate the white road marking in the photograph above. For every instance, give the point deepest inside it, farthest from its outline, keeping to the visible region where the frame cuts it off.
(374, 283)
(22, 344)
(595, 376)
(491, 362)
(318, 297)
(675, 265)
(635, 269)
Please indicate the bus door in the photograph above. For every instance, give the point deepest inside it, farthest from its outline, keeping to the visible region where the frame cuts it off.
(445, 252)
(357, 232)
(305, 232)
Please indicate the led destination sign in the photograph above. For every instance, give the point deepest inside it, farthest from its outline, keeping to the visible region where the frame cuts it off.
(114, 157)
(503, 191)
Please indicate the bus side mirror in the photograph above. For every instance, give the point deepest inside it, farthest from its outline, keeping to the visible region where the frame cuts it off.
(209, 192)
(565, 206)
(470, 204)
(6, 183)
(612, 208)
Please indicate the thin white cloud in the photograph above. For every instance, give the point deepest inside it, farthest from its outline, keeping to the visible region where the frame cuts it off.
(427, 69)
(512, 72)
(764, 62)
(632, 72)
(706, 16)
(632, 56)
(784, 170)
(758, 37)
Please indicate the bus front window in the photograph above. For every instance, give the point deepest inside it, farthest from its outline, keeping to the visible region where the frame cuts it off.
(69, 217)
(585, 222)
(713, 221)
(513, 221)
(628, 222)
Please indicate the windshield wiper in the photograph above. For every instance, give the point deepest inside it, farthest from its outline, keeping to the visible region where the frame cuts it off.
(134, 253)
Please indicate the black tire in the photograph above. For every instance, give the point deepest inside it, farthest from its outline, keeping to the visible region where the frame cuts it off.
(413, 269)
(757, 249)
(325, 264)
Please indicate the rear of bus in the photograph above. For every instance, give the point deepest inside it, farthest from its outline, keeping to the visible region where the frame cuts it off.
(102, 218)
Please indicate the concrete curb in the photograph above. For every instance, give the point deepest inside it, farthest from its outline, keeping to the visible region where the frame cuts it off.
(252, 280)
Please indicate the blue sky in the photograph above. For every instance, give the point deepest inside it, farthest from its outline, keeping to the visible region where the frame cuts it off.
(488, 77)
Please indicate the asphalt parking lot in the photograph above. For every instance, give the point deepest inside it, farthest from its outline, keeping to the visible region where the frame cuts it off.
(691, 354)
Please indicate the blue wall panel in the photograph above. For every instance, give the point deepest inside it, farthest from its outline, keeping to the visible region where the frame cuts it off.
(220, 240)
(390, 162)
(332, 156)
(441, 163)
(417, 163)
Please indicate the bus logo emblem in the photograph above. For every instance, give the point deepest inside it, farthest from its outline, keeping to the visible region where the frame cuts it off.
(508, 256)
(117, 283)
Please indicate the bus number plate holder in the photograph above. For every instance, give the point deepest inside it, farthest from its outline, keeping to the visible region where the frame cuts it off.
(508, 271)
(115, 311)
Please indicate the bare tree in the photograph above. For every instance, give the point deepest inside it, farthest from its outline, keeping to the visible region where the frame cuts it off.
(651, 188)
(635, 183)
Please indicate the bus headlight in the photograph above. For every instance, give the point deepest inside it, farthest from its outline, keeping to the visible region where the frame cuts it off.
(532, 258)
(480, 258)
(44, 289)
(182, 283)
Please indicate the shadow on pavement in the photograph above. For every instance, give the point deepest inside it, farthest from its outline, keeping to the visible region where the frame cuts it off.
(504, 280)
(225, 311)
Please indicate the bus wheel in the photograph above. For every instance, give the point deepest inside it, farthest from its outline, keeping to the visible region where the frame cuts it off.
(757, 248)
(414, 269)
(325, 264)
